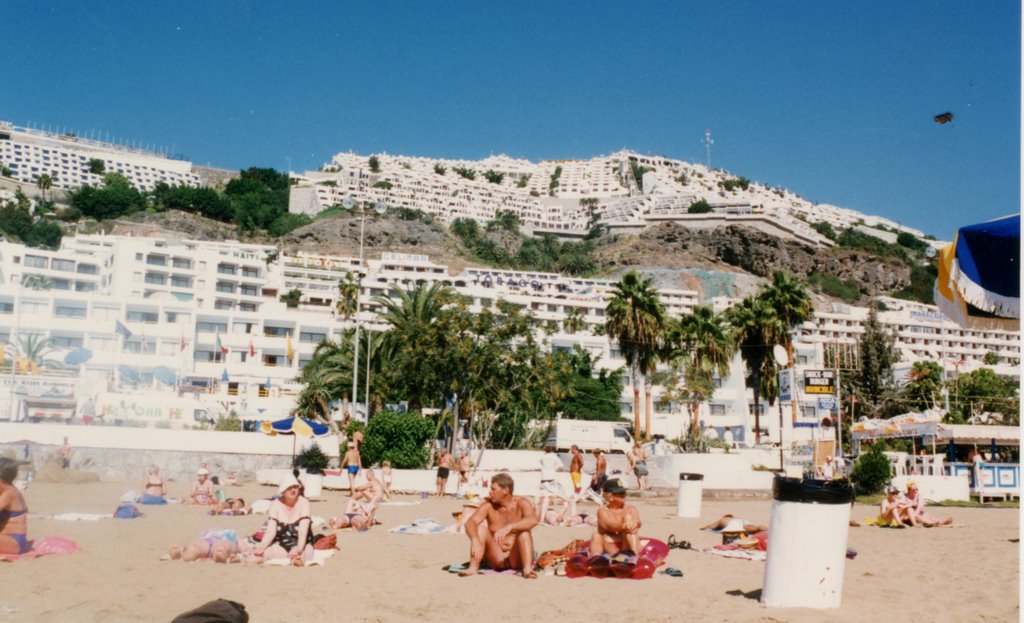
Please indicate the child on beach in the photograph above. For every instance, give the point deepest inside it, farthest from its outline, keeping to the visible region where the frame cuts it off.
(385, 478)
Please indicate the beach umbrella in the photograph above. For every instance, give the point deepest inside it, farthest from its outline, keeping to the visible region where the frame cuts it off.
(78, 356)
(979, 275)
(128, 372)
(295, 426)
(165, 375)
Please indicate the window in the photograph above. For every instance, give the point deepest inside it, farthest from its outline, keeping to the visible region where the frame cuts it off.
(275, 360)
(226, 269)
(809, 412)
(100, 312)
(250, 272)
(35, 261)
(179, 281)
(277, 331)
(142, 316)
(63, 265)
(312, 337)
(212, 327)
(222, 304)
(717, 409)
(85, 286)
(156, 260)
(248, 291)
(241, 327)
(6, 308)
(60, 341)
(156, 279)
(225, 287)
(205, 355)
(30, 308)
(250, 307)
(69, 311)
(177, 317)
(180, 262)
(103, 344)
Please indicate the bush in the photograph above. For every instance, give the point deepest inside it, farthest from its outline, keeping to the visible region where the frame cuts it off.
(398, 437)
(312, 459)
(229, 422)
(872, 471)
(699, 207)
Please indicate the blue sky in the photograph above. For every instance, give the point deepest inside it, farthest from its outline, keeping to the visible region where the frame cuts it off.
(831, 100)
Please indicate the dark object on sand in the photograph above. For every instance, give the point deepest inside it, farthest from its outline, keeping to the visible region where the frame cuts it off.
(944, 118)
(216, 611)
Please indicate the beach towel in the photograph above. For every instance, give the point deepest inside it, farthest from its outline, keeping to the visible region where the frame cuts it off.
(81, 516)
(48, 545)
(426, 525)
(320, 556)
(402, 503)
(729, 551)
(484, 569)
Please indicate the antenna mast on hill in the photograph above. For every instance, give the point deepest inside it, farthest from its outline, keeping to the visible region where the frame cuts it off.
(708, 142)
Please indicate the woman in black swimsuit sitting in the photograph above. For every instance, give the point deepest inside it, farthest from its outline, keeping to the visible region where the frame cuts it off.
(13, 511)
(287, 534)
(153, 489)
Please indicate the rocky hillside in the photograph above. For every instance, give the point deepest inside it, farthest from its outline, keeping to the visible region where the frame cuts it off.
(728, 261)
(736, 260)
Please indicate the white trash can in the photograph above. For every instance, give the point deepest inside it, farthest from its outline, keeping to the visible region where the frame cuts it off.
(807, 537)
(691, 489)
(313, 485)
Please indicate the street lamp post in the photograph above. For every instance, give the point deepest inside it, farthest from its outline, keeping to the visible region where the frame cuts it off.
(380, 207)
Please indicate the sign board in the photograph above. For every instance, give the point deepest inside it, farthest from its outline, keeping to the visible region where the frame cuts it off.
(827, 402)
(785, 386)
(820, 381)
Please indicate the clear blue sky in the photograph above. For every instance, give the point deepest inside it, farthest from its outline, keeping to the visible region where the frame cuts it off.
(831, 100)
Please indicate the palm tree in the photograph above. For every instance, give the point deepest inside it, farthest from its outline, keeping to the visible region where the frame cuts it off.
(701, 340)
(348, 293)
(32, 352)
(44, 182)
(755, 329)
(636, 319)
(792, 306)
(574, 321)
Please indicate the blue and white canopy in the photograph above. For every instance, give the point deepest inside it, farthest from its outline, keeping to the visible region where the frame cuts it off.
(979, 275)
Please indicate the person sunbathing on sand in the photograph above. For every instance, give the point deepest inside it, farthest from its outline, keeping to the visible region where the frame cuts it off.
(202, 489)
(216, 545)
(894, 509)
(505, 541)
(358, 515)
(618, 524)
(721, 524)
(231, 506)
(915, 509)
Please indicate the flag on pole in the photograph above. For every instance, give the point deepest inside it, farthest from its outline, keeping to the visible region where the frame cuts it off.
(252, 349)
(291, 353)
(145, 345)
(181, 346)
(220, 347)
(123, 330)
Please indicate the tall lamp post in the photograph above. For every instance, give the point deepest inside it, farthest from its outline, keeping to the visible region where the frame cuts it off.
(380, 208)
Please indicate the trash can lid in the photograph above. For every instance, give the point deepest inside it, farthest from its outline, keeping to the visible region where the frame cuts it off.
(811, 491)
(691, 476)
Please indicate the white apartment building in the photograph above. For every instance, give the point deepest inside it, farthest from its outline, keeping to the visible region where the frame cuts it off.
(180, 329)
(567, 197)
(29, 153)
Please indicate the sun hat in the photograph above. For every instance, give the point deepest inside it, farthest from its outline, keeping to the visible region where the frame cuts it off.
(613, 485)
(287, 483)
(747, 543)
(203, 472)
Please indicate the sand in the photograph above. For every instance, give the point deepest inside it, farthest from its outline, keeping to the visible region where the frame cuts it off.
(941, 574)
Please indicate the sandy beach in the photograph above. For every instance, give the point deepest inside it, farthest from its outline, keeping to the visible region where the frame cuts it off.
(943, 574)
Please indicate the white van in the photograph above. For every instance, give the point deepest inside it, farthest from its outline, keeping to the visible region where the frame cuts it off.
(589, 435)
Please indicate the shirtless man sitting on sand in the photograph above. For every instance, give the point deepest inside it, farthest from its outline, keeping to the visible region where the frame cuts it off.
(372, 491)
(618, 524)
(499, 531)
